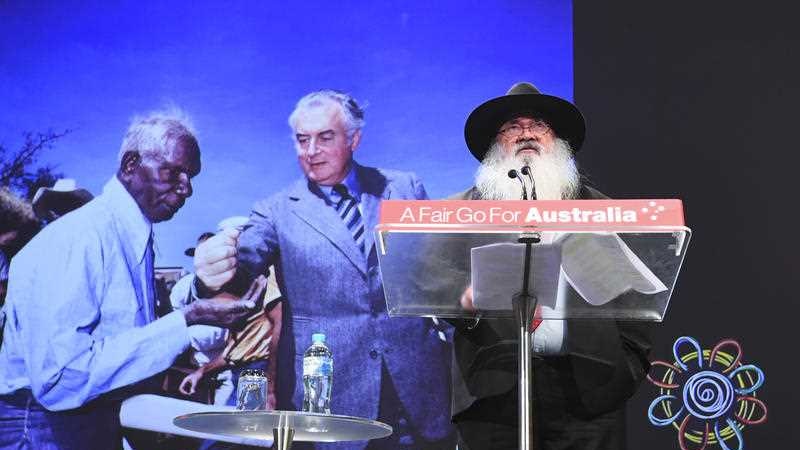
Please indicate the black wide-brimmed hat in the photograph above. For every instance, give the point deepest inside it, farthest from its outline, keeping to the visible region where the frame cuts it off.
(523, 98)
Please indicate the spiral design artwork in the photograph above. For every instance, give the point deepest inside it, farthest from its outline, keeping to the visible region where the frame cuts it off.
(708, 396)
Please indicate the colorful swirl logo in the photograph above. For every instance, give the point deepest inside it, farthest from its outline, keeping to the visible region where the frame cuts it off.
(708, 396)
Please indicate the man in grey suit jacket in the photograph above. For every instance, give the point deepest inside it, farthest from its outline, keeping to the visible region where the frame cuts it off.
(585, 369)
(318, 233)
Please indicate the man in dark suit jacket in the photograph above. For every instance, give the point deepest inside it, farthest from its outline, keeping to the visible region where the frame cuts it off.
(392, 370)
(585, 370)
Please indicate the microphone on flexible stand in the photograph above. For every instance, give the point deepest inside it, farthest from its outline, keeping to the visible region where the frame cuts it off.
(526, 170)
(514, 174)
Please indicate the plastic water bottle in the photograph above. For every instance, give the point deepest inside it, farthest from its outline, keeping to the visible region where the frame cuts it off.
(317, 376)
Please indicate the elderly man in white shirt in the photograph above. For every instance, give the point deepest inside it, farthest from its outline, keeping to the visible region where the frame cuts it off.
(81, 330)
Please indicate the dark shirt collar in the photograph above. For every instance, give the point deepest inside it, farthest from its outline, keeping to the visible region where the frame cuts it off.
(350, 181)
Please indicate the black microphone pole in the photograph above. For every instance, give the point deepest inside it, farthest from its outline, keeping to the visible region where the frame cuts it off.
(527, 171)
(514, 174)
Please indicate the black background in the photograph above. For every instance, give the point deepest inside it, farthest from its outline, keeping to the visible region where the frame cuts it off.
(697, 100)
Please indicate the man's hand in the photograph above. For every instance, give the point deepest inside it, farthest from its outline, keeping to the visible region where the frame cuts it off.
(225, 312)
(215, 259)
(466, 299)
(189, 384)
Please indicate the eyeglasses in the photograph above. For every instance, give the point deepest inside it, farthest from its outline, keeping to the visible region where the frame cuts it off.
(537, 127)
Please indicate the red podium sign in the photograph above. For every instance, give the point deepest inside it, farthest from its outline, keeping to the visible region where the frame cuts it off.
(563, 215)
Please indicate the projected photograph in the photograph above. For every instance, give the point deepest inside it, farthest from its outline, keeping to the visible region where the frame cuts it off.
(189, 194)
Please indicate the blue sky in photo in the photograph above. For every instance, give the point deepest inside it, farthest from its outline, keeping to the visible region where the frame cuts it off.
(238, 68)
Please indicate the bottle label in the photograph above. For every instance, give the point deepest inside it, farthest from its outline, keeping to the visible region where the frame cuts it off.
(317, 366)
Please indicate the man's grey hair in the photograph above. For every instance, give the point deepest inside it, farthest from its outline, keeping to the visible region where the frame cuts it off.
(352, 113)
(150, 135)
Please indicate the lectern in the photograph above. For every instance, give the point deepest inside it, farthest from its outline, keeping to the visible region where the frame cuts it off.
(548, 260)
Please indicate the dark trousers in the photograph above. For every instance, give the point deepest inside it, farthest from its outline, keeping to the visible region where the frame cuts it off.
(490, 424)
(25, 424)
(600, 433)
(560, 421)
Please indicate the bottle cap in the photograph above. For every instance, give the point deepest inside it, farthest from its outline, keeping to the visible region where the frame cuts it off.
(253, 373)
(318, 338)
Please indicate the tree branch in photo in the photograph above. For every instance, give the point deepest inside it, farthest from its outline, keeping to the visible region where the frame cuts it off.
(16, 171)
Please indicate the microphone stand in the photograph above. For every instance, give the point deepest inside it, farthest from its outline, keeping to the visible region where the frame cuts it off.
(526, 170)
(514, 174)
(524, 310)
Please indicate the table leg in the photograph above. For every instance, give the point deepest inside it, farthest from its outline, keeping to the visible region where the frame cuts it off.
(282, 438)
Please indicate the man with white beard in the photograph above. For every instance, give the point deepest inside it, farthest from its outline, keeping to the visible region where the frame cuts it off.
(585, 370)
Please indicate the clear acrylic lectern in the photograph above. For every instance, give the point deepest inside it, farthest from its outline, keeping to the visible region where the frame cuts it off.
(574, 259)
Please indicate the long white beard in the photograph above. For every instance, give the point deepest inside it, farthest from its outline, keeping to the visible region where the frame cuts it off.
(554, 172)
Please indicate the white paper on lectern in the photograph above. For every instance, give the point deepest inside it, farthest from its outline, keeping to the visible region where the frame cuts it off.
(497, 274)
(601, 267)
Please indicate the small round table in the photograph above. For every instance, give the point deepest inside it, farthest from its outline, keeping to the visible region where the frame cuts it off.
(284, 426)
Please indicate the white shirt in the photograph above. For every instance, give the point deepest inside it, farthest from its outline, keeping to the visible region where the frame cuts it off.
(79, 308)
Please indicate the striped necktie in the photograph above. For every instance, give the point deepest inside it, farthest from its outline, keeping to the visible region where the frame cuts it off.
(348, 211)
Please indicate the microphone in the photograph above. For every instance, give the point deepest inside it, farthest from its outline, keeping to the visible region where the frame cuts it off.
(514, 174)
(526, 170)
